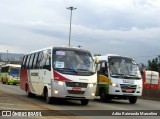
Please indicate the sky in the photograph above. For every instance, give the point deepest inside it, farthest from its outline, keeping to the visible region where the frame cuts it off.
(125, 27)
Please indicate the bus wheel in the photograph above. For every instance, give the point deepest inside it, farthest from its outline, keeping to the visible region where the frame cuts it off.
(29, 94)
(84, 101)
(3, 82)
(47, 98)
(103, 96)
(132, 99)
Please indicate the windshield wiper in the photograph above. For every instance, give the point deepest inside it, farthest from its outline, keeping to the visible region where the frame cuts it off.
(121, 75)
(133, 76)
(125, 76)
(85, 70)
(67, 69)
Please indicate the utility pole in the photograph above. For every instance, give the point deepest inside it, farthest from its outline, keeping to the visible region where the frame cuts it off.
(70, 8)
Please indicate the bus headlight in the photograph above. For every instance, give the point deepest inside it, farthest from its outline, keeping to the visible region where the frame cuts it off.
(56, 91)
(93, 94)
(91, 85)
(140, 86)
(60, 83)
(114, 85)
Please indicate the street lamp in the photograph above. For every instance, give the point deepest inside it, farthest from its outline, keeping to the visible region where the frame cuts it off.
(70, 8)
(7, 57)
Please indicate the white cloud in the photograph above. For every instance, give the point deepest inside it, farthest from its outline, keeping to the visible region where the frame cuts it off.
(127, 27)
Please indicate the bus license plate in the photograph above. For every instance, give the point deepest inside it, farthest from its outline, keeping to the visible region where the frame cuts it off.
(128, 90)
(76, 89)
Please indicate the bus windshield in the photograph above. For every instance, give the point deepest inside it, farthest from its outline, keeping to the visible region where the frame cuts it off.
(15, 72)
(73, 61)
(123, 67)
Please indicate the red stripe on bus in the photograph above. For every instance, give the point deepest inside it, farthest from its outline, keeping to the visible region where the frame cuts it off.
(23, 79)
(59, 77)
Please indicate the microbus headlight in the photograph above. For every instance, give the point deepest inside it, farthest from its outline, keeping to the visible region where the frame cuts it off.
(60, 83)
(91, 85)
(114, 85)
(139, 86)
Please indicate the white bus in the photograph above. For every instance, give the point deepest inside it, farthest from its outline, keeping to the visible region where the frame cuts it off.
(10, 74)
(118, 78)
(59, 72)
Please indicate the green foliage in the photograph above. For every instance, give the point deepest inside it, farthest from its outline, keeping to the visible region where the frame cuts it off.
(97, 54)
(154, 64)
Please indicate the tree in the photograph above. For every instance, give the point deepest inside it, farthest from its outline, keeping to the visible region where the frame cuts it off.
(154, 64)
(97, 54)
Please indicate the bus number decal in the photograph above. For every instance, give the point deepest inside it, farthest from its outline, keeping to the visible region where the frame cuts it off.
(34, 74)
(59, 64)
(60, 53)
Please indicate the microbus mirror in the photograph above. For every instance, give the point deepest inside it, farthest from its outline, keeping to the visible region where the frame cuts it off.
(96, 60)
(46, 54)
(48, 67)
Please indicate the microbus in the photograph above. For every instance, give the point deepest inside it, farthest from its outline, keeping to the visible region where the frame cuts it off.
(59, 72)
(118, 78)
(10, 74)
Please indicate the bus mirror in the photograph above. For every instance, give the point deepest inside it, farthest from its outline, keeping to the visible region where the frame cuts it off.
(48, 67)
(46, 55)
(96, 60)
(49, 51)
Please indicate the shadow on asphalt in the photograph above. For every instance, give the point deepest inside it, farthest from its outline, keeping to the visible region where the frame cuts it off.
(70, 102)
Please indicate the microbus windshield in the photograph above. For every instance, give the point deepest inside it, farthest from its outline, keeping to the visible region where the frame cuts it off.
(70, 61)
(15, 71)
(123, 67)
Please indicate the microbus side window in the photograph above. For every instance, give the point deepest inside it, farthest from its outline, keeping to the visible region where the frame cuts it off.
(27, 63)
(103, 68)
(35, 61)
(31, 61)
(39, 63)
(5, 69)
(46, 62)
(24, 62)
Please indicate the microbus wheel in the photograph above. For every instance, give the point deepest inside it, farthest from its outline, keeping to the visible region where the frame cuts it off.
(84, 101)
(3, 82)
(29, 94)
(103, 96)
(47, 98)
(132, 99)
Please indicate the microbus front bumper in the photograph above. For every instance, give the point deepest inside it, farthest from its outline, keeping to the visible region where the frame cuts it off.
(73, 90)
(126, 89)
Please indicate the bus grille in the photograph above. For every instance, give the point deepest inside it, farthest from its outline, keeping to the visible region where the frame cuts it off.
(128, 88)
(76, 84)
(75, 92)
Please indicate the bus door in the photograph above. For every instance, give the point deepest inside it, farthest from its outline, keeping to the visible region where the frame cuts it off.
(44, 71)
(33, 75)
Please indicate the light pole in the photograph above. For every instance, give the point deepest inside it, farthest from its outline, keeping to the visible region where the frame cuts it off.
(70, 8)
(7, 57)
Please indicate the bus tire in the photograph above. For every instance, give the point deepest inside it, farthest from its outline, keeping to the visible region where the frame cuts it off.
(29, 94)
(14, 83)
(47, 98)
(103, 96)
(3, 81)
(84, 101)
(133, 99)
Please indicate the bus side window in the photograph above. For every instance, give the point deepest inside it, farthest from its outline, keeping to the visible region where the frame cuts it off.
(24, 62)
(39, 61)
(27, 63)
(98, 67)
(31, 61)
(103, 69)
(35, 61)
(47, 61)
